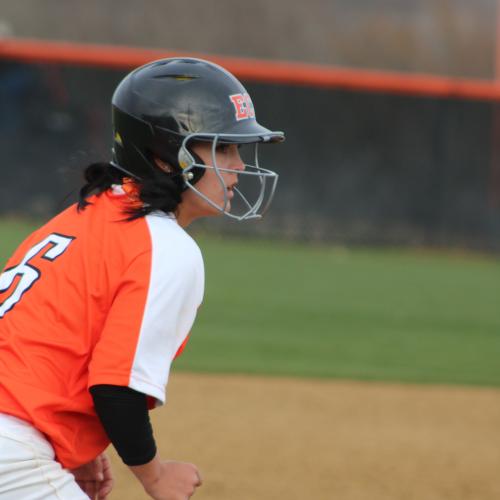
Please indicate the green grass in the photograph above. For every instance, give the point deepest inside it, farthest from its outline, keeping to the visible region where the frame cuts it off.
(12, 232)
(398, 315)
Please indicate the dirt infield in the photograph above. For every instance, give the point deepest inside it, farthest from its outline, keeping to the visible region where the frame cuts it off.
(257, 438)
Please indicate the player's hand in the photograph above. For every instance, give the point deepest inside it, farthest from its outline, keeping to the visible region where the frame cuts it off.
(172, 481)
(95, 477)
(178, 481)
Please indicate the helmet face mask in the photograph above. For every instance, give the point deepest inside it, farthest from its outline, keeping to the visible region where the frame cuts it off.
(255, 183)
(162, 108)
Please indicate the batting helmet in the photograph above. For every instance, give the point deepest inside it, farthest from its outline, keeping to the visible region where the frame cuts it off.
(161, 107)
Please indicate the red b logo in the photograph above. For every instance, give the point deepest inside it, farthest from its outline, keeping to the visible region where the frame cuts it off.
(243, 106)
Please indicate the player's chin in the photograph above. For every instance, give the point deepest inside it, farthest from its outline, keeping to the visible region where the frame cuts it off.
(224, 208)
(218, 210)
(225, 204)
(219, 205)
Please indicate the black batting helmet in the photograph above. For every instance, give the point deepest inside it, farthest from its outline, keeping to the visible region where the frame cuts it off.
(160, 107)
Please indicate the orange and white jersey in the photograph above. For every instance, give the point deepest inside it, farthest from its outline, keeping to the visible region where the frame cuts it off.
(90, 299)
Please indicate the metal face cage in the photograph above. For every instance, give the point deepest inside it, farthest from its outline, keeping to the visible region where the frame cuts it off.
(256, 185)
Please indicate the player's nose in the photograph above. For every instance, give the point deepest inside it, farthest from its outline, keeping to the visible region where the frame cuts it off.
(238, 163)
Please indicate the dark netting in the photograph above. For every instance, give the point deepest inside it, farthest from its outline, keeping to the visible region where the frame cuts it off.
(357, 167)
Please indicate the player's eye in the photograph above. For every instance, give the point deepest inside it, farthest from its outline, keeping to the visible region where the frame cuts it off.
(222, 148)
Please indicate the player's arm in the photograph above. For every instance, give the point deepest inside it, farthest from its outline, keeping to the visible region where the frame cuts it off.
(124, 415)
(125, 418)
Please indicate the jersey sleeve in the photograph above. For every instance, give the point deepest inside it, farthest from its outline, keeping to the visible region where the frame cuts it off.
(149, 319)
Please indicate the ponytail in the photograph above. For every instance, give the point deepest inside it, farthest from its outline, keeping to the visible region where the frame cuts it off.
(158, 191)
(99, 177)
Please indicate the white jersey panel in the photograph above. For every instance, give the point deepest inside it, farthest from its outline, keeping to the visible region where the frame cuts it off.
(175, 293)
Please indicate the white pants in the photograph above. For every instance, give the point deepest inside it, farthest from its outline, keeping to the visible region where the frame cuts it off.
(28, 469)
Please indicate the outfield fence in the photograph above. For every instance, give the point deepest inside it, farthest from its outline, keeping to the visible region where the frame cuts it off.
(370, 158)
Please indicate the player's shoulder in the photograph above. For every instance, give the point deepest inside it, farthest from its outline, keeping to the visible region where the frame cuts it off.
(169, 238)
(56, 225)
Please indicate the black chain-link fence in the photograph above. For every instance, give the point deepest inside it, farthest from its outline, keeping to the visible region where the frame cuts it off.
(357, 167)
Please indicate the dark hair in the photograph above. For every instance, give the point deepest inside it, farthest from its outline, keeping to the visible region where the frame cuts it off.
(159, 191)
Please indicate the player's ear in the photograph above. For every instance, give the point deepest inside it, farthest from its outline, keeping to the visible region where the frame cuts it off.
(167, 168)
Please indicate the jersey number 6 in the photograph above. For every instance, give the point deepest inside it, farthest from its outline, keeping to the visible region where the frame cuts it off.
(27, 273)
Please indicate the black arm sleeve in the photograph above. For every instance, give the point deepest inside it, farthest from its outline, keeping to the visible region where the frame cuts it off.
(125, 418)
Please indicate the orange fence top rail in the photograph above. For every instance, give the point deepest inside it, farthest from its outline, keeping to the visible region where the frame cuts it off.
(280, 72)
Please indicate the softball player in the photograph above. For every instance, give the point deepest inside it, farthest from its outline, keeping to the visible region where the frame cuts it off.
(96, 304)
